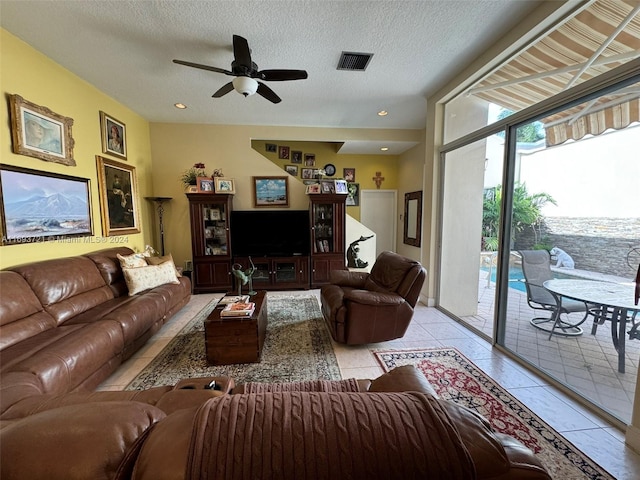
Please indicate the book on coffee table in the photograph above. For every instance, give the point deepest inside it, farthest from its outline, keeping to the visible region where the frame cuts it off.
(238, 309)
(227, 299)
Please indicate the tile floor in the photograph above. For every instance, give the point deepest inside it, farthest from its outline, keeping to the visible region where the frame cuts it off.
(432, 328)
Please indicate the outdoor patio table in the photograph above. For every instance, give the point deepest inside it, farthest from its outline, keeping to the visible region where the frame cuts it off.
(612, 301)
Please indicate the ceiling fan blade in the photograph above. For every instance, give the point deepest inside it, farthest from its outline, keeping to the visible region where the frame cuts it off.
(267, 93)
(241, 51)
(281, 75)
(223, 90)
(203, 67)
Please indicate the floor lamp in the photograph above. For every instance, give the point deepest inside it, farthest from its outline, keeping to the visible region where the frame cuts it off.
(160, 207)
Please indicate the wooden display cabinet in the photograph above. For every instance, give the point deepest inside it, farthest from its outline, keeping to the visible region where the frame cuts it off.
(210, 241)
(327, 236)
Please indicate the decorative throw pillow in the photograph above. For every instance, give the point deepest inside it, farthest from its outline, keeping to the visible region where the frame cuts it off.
(161, 260)
(135, 260)
(143, 278)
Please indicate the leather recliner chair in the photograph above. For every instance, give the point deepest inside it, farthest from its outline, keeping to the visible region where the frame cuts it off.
(362, 308)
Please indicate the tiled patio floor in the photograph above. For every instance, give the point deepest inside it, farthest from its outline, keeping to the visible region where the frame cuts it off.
(587, 363)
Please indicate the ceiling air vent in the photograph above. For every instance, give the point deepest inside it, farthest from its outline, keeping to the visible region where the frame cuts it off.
(354, 61)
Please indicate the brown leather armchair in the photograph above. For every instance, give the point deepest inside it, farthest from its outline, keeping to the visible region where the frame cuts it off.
(362, 308)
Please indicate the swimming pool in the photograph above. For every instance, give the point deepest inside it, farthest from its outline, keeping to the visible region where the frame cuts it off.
(516, 277)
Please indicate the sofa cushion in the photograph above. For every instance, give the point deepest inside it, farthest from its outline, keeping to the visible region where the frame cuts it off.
(97, 441)
(66, 286)
(109, 267)
(144, 278)
(64, 357)
(21, 314)
(163, 259)
(135, 260)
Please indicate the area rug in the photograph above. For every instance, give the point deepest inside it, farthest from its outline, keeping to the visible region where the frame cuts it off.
(456, 378)
(297, 348)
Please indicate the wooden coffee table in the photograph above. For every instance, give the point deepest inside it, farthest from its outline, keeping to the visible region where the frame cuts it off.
(233, 339)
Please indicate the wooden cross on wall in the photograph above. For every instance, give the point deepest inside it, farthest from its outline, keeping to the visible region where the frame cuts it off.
(378, 179)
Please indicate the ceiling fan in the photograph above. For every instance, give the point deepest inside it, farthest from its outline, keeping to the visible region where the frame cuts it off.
(246, 73)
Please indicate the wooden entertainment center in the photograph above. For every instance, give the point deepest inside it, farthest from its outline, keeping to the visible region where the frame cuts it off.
(212, 256)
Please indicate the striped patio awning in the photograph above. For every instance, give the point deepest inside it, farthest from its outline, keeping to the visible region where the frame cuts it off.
(600, 37)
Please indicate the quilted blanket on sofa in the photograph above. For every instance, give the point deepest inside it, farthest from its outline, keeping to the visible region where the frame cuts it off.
(312, 435)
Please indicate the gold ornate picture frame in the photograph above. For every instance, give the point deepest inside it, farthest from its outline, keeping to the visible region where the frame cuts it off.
(114, 136)
(37, 131)
(118, 188)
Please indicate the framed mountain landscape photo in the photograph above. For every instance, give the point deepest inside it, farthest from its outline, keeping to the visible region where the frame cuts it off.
(43, 207)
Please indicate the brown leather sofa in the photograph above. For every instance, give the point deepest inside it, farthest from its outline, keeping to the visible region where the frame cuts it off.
(67, 324)
(393, 427)
(362, 308)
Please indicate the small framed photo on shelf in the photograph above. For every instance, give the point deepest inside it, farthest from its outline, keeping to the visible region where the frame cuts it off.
(224, 185)
(270, 192)
(313, 188)
(308, 173)
(214, 214)
(349, 174)
(341, 186)
(205, 184)
(296, 156)
(291, 170)
(328, 186)
(114, 136)
(283, 152)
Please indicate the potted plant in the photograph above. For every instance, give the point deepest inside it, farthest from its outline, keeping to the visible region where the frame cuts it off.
(190, 176)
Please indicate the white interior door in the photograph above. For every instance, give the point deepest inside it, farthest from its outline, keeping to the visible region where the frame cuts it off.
(378, 212)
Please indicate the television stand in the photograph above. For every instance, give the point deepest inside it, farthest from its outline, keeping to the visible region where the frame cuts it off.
(278, 272)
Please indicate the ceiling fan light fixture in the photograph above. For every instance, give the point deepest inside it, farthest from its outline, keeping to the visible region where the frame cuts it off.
(245, 85)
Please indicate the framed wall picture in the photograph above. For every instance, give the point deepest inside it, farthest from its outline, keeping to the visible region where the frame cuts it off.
(204, 184)
(270, 192)
(225, 185)
(308, 173)
(118, 188)
(114, 136)
(296, 156)
(291, 170)
(349, 174)
(283, 152)
(353, 195)
(38, 132)
(41, 207)
(270, 147)
(309, 159)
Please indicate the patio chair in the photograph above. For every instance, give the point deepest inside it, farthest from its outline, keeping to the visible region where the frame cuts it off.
(536, 266)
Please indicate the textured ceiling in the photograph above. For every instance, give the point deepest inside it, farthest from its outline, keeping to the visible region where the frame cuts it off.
(125, 48)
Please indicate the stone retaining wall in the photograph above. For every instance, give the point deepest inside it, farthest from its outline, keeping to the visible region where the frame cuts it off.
(595, 244)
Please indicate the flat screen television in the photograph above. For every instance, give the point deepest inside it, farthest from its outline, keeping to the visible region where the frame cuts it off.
(273, 233)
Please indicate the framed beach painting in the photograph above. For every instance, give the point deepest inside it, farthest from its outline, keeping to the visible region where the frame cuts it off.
(270, 192)
(118, 188)
(114, 136)
(41, 207)
(38, 132)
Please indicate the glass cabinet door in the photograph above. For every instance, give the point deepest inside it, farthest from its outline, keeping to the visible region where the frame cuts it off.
(323, 228)
(216, 235)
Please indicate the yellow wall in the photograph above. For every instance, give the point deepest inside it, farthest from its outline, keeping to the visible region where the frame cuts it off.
(176, 147)
(365, 166)
(33, 76)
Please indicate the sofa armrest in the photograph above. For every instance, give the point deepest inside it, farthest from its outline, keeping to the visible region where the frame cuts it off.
(406, 378)
(345, 278)
(378, 299)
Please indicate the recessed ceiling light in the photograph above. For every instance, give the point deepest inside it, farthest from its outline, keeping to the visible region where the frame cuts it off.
(382, 113)
(384, 149)
(181, 106)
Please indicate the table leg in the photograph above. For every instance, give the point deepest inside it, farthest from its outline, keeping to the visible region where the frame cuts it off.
(619, 320)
